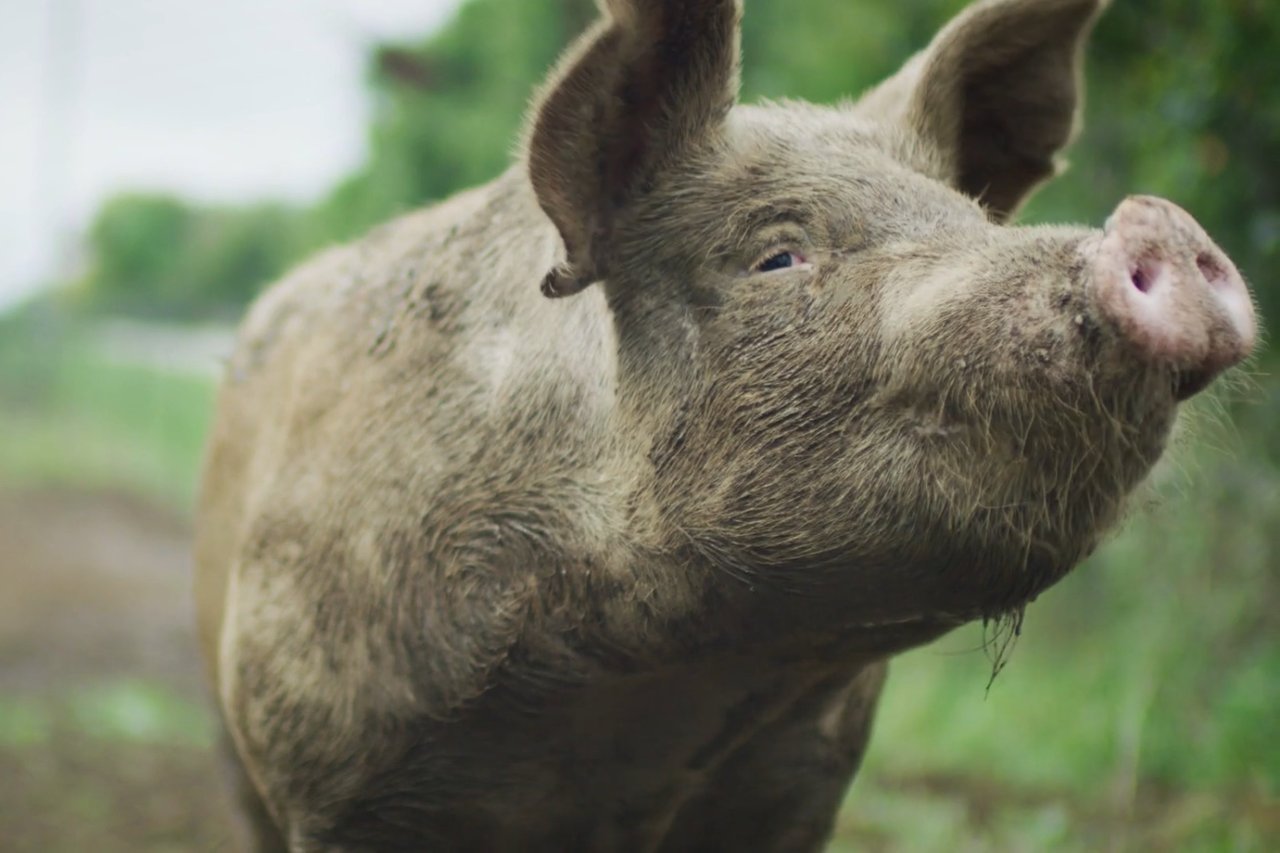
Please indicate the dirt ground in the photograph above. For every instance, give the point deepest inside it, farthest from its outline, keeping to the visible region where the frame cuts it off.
(96, 593)
(105, 732)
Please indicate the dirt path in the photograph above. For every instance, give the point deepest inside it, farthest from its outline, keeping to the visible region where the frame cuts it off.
(104, 732)
(95, 586)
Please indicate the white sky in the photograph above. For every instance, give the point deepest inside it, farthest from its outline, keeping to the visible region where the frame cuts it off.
(224, 101)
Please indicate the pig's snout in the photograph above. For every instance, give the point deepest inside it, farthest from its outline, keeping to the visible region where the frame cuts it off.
(1173, 296)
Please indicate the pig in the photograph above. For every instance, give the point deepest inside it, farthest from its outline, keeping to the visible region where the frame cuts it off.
(583, 510)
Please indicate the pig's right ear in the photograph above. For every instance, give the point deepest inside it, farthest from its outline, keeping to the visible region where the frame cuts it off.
(647, 85)
(998, 93)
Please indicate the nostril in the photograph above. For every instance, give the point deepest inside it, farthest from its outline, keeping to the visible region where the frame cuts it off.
(1141, 279)
(1211, 269)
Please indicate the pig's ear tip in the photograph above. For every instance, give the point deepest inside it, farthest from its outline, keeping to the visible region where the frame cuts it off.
(564, 280)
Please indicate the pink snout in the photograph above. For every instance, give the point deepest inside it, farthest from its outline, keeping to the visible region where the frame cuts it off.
(1172, 295)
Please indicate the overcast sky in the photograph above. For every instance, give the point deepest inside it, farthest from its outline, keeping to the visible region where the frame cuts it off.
(222, 101)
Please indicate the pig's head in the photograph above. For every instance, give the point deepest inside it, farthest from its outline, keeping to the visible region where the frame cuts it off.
(851, 381)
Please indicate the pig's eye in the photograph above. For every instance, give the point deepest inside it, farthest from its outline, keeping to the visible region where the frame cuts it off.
(780, 261)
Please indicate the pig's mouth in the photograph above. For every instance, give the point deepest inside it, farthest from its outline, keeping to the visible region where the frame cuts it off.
(1025, 491)
(1190, 382)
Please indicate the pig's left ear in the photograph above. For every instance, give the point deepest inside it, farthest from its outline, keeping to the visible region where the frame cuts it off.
(645, 87)
(998, 91)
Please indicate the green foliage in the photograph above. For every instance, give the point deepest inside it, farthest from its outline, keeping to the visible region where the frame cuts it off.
(133, 241)
(73, 416)
(159, 256)
(1183, 104)
(128, 709)
(138, 710)
(828, 50)
(448, 109)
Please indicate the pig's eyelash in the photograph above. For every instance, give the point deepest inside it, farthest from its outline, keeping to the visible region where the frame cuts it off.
(786, 251)
(781, 260)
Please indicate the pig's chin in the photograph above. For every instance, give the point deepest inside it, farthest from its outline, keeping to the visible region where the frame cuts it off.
(1039, 501)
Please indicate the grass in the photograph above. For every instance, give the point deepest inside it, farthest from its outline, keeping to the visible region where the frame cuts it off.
(71, 418)
(1141, 665)
(133, 710)
(1140, 708)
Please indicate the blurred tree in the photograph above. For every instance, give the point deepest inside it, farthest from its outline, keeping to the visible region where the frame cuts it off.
(234, 252)
(448, 109)
(158, 256)
(132, 242)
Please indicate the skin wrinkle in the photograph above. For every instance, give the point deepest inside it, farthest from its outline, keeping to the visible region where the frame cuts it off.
(479, 569)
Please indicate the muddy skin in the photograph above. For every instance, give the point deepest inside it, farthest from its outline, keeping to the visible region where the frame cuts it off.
(583, 510)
